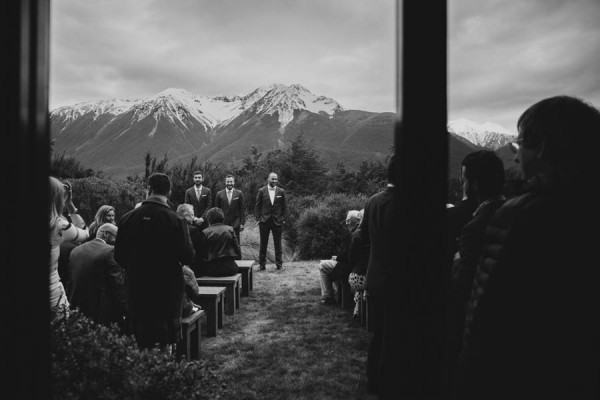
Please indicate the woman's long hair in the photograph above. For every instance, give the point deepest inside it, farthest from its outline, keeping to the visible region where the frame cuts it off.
(100, 217)
(56, 201)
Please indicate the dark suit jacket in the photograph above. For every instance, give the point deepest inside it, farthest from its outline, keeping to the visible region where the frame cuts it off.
(267, 213)
(200, 205)
(235, 214)
(97, 285)
(152, 244)
(376, 230)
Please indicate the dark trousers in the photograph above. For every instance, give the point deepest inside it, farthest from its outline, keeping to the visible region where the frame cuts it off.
(374, 370)
(264, 230)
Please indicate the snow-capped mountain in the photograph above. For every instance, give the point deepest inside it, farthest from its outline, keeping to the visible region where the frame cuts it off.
(114, 135)
(488, 134)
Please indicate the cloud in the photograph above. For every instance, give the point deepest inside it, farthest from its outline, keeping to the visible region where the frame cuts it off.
(137, 48)
(505, 56)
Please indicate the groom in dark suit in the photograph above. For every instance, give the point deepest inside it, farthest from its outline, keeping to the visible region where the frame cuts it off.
(270, 210)
(231, 201)
(200, 197)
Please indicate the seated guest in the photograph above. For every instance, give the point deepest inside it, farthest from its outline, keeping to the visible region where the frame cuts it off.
(221, 244)
(186, 212)
(337, 267)
(359, 259)
(97, 285)
(105, 214)
(191, 289)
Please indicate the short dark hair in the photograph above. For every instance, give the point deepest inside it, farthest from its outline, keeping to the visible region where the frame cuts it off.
(229, 176)
(215, 215)
(198, 173)
(487, 167)
(159, 183)
(566, 128)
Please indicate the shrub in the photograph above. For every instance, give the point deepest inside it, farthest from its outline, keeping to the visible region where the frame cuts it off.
(90, 193)
(89, 360)
(321, 231)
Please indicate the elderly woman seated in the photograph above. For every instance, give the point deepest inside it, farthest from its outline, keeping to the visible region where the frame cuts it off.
(221, 246)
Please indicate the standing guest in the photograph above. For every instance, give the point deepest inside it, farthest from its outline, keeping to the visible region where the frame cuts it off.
(231, 201)
(186, 212)
(105, 214)
(200, 197)
(376, 230)
(483, 179)
(61, 230)
(222, 247)
(457, 215)
(359, 259)
(97, 285)
(270, 210)
(532, 324)
(152, 245)
(339, 266)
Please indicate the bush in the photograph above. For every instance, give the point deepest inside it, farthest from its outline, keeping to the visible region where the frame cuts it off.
(91, 193)
(321, 231)
(96, 362)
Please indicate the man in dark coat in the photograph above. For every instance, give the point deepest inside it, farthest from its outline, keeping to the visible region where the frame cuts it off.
(200, 197)
(376, 230)
(152, 245)
(97, 287)
(532, 327)
(483, 180)
(231, 201)
(270, 210)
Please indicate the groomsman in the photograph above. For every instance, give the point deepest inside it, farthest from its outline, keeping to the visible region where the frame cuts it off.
(231, 201)
(200, 197)
(270, 210)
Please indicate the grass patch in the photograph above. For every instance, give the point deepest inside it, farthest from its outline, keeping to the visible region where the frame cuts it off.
(283, 344)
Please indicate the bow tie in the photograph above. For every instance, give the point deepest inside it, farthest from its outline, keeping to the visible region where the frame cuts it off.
(271, 188)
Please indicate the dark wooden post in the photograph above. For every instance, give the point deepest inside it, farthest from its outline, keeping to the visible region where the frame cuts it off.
(24, 244)
(415, 316)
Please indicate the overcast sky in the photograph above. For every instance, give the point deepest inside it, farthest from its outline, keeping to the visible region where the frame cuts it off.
(504, 55)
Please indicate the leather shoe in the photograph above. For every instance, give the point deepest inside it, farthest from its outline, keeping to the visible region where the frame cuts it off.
(279, 267)
(261, 267)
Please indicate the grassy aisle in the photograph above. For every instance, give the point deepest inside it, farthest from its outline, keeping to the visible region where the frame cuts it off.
(283, 344)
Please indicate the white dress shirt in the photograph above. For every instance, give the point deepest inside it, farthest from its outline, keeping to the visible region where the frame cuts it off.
(272, 194)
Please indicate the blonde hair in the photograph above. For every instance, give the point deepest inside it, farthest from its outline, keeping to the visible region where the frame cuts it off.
(100, 217)
(56, 201)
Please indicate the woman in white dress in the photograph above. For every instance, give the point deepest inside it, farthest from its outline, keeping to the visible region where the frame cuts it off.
(61, 229)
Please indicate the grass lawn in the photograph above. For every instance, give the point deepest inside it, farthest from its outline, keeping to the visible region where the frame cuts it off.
(283, 344)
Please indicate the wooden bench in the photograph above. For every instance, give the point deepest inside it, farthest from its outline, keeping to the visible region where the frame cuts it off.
(212, 301)
(232, 286)
(245, 268)
(190, 344)
(345, 298)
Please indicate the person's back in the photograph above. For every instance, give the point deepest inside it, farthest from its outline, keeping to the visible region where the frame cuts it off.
(532, 323)
(152, 244)
(97, 286)
(221, 244)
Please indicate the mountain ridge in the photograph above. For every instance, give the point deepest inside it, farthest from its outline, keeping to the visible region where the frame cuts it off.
(114, 135)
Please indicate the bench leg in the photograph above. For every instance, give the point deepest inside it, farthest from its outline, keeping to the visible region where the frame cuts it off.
(230, 300)
(238, 295)
(195, 337)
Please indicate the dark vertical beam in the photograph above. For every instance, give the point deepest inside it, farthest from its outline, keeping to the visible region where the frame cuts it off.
(24, 248)
(421, 147)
